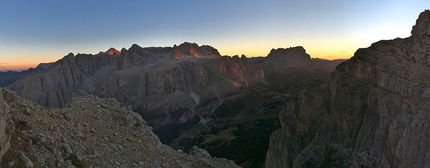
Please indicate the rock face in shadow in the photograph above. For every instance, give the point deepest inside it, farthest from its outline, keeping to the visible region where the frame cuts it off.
(285, 67)
(165, 85)
(88, 132)
(374, 111)
(69, 77)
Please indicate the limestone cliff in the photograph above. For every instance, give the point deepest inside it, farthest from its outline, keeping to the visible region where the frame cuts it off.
(374, 112)
(88, 132)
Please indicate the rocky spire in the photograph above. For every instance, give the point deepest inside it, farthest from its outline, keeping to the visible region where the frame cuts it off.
(422, 25)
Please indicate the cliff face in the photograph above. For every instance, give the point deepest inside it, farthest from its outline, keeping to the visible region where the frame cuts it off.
(67, 78)
(373, 112)
(88, 132)
(164, 84)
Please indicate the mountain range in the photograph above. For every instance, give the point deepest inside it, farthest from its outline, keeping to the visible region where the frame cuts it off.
(173, 87)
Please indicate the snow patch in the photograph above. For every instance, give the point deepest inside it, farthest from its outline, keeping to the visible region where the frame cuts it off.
(195, 97)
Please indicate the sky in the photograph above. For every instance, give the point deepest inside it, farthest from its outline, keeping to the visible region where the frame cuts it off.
(32, 32)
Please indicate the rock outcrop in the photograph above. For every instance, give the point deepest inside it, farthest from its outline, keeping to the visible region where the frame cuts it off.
(164, 84)
(374, 112)
(88, 132)
(422, 26)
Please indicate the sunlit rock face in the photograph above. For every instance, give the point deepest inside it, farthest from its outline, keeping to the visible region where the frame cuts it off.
(113, 51)
(240, 72)
(193, 50)
(164, 84)
(374, 111)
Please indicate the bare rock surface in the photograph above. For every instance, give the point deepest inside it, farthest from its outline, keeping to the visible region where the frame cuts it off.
(88, 132)
(374, 112)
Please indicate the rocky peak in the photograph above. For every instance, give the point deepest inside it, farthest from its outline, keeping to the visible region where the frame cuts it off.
(134, 48)
(297, 51)
(113, 51)
(422, 25)
(187, 49)
(293, 56)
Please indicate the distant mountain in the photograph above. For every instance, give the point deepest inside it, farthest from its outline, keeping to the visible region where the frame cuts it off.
(8, 77)
(373, 112)
(286, 67)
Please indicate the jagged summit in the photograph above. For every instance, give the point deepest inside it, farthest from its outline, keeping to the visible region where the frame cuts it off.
(113, 51)
(187, 49)
(422, 25)
(293, 57)
(288, 52)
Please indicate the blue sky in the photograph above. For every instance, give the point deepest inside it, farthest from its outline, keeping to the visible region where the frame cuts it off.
(44, 31)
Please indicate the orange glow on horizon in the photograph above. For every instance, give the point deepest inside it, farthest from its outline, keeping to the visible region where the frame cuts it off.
(17, 67)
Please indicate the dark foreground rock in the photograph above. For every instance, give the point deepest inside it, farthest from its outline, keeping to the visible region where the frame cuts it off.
(374, 112)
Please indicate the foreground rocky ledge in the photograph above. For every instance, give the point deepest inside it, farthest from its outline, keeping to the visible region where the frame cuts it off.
(88, 132)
